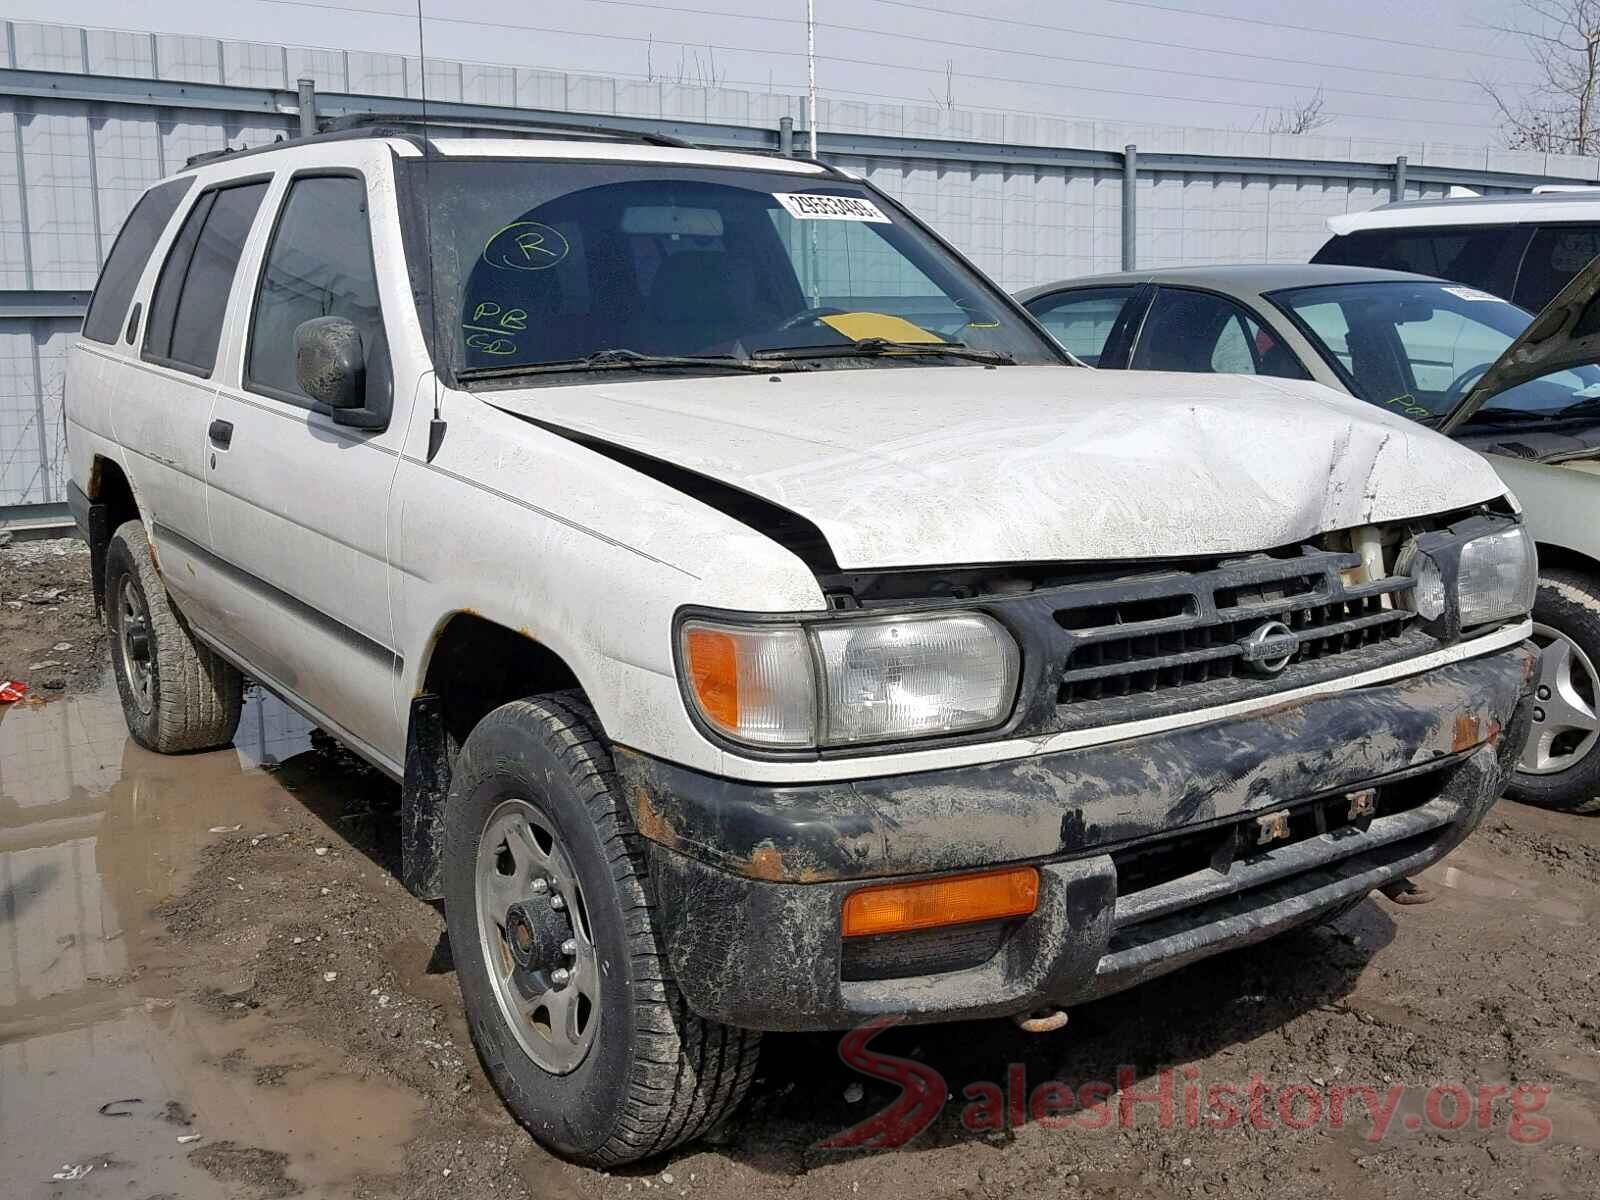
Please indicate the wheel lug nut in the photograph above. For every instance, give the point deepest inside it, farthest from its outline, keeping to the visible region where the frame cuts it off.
(560, 976)
(541, 886)
(569, 947)
(1538, 714)
(1544, 693)
(556, 902)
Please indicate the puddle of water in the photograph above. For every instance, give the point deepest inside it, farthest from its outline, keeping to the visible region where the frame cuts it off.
(95, 833)
(1478, 879)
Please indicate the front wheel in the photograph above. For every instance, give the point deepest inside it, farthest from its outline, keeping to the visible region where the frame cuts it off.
(553, 931)
(1560, 763)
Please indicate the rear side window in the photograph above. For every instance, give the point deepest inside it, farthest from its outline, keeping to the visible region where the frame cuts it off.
(1485, 256)
(1082, 321)
(319, 265)
(126, 263)
(191, 294)
(1555, 255)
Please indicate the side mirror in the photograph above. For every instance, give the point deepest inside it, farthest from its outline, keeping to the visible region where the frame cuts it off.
(330, 367)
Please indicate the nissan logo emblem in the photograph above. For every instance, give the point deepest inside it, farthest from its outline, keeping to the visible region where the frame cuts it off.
(1268, 648)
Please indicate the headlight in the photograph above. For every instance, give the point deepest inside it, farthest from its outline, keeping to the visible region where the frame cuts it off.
(1497, 577)
(1427, 598)
(787, 686)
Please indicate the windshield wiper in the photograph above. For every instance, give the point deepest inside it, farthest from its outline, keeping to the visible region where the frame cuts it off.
(877, 347)
(616, 360)
(1588, 406)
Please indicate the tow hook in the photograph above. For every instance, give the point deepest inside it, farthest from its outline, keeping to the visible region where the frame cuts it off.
(1041, 1020)
(1408, 891)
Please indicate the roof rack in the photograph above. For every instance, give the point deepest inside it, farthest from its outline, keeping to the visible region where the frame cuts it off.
(205, 156)
(375, 123)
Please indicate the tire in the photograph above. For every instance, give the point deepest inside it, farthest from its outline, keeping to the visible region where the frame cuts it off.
(1560, 765)
(177, 695)
(642, 1073)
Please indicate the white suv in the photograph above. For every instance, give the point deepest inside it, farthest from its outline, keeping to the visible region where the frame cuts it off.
(770, 627)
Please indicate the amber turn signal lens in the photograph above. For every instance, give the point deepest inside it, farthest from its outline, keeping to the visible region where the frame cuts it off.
(899, 907)
(713, 662)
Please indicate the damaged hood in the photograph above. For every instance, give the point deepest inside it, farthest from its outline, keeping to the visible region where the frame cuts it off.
(941, 465)
(1565, 334)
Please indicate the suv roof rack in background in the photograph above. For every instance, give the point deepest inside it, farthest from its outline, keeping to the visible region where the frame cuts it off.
(377, 124)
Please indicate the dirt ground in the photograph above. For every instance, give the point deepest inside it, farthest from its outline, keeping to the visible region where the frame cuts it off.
(213, 984)
(49, 637)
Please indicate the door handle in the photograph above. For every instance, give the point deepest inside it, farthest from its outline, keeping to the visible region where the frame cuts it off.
(221, 434)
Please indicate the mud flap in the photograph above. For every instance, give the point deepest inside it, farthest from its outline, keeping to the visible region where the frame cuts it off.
(94, 527)
(422, 798)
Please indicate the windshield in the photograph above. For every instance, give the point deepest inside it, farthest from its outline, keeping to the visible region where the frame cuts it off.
(540, 264)
(1419, 348)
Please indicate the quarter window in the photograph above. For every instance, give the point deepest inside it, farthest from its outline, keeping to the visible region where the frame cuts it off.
(1083, 320)
(191, 295)
(125, 265)
(319, 265)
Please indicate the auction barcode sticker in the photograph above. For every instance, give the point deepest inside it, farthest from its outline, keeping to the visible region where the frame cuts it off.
(804, 206)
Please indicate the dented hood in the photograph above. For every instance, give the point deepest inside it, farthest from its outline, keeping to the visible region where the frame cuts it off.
(1565, 334)
(924, 466)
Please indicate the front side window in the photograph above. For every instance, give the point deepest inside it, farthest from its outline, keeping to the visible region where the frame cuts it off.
(1555, 255)
(125, 265)
(540, 264)
(1419, 348)
(1083, 320)
(1201, 332)
(191, 294)
(319, 265)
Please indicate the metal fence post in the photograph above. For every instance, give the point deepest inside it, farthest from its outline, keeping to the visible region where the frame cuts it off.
(786, 136)
(1397, 189)
(1130, 207)
(308, 106)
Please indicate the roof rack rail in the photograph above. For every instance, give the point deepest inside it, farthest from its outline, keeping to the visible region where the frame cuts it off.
(205, 156)
(376, 121)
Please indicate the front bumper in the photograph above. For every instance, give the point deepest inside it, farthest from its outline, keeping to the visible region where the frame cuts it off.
(750, 879)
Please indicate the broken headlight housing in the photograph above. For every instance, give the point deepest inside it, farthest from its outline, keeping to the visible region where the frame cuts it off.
(1472, 582)
(788, 685)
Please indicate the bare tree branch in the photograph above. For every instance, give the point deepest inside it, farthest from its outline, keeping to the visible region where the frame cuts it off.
(1304, 116)
(1559, 112)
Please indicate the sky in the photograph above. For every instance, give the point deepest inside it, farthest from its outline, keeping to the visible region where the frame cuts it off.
(1386, 70)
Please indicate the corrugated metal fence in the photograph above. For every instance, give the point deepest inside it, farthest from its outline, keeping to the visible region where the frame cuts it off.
(90, 117)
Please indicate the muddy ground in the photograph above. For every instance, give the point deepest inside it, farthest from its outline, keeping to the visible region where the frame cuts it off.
(213, 984)
(49, 637)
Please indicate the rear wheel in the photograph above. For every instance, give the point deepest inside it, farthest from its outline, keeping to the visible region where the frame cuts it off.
(1560, 763)
(176, 693)
(553, 931)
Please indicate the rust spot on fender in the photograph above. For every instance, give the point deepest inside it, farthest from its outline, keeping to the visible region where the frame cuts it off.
(766, 862)
(1493, 735)
(650, 823)
(1468, 732)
